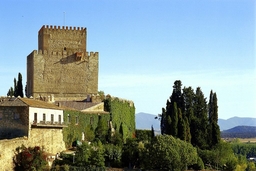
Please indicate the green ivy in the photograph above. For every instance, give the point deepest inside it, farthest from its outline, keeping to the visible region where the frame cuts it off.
(122, 114)
(78, 122)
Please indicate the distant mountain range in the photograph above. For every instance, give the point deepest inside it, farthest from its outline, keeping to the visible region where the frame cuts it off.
(240, 132)
(146, 120)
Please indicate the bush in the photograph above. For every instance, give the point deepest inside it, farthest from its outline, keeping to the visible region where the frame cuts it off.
(29, 158)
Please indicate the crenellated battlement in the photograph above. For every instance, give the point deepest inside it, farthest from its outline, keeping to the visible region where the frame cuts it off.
(66, 28)
(62, 53)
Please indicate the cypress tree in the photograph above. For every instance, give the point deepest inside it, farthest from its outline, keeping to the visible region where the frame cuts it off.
(168, 129)
(163, 122)
(200, 121)
(174, 120)
(177, 95)
(15, 92)
(215, 126)
(188, 134)
(10, 92)
(152, 132)
(20, 86)
(181, 126)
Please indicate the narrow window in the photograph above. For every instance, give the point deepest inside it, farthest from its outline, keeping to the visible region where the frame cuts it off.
(52, 118)
(44, 117)
(59, 119)
(65, 48)
(35, 117)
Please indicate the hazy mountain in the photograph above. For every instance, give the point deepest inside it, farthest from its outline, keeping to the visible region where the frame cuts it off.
(236, 121)
(240, 132)
(241, 129)
(146, 120)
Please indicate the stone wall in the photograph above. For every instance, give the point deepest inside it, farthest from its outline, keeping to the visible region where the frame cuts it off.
(51, 140)
(61, 75)
(54, 38)
(13, 122)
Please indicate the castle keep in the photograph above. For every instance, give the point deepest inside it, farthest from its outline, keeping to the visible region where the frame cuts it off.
(62, 67)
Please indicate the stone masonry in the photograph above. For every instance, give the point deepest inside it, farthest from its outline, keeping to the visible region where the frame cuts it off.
(61, 67)
(51, 140)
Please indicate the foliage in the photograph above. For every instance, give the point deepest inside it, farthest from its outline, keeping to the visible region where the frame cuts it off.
(10, 92)
(144, 135)
(245, 149)
(131, 153)
(18, 88)
(89, 133)
(167, 153)
(97, 155)
(122, 115)
(101, 130)
(218, 157)
(113, 155)
(83, 154)
(29, 158)
(90, 154)
(85, 121)
(188, 117)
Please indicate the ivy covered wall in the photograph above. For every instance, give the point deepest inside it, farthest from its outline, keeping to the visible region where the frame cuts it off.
(122, 114)
(78, 121)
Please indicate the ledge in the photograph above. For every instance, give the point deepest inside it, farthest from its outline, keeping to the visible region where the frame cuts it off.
(48, 124)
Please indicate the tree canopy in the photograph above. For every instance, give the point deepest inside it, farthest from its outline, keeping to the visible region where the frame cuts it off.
(189, 117)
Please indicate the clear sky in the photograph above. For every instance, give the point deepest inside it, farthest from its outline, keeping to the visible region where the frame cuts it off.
(146, 45)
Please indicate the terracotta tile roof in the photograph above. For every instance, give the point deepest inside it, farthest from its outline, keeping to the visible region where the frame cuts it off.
(78, 105)
(39, 103)
(17, 101)
(60, 105)
(11, 101)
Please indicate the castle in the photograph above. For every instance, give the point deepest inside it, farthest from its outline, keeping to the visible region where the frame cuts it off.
(62, 68)
(62, 86)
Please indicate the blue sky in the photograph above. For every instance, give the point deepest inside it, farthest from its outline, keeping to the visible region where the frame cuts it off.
(146, 45)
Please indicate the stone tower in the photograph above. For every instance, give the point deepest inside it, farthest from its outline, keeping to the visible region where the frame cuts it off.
(62, 67)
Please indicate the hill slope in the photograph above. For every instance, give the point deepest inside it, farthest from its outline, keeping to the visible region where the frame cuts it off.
(236, 121)
(240, 132)
(145, 121)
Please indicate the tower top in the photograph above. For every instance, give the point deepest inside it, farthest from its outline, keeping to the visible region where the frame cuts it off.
(57, 38)
(50, 27)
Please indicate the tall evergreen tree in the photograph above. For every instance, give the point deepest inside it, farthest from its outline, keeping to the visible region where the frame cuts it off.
(214, 130)
(177, 95)
(20, 86)
(174, 120)
(152, 132)
(188, 134)
(10, 92)
(163, 121)
(168, 129)
(188, 97)
(15, 92)
(181, 126)
(199, 122)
